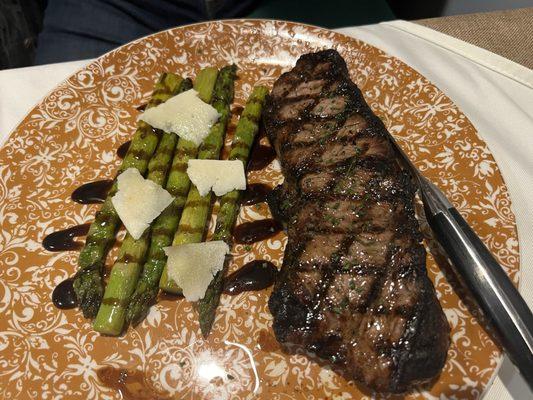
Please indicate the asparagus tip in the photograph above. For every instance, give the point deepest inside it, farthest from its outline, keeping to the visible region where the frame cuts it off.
(139, 306)
(89, 291)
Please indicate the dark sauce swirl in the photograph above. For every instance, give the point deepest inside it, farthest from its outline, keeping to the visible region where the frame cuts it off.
(64, 239)
(123, 149)
(92, 192)
(251, 232)
(141, 107)
(255, 193)
(131, 384)
(255, 275)
(64, 296)
(261, 156)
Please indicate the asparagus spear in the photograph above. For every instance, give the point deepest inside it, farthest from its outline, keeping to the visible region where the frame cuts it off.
(88, 283)
(166, 224)
(229, 203)
(196, 211)
(110, 317)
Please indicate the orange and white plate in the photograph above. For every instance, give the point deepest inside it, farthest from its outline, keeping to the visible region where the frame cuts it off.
(71, 137)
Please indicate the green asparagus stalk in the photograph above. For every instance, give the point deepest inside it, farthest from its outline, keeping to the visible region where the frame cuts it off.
(124, 274)
(208, 82)
(88, 283)
(196, 211)
(245, 133)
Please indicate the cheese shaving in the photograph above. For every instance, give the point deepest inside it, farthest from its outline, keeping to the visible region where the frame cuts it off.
(138, 201)
(217, 175)
(192, 266)
(185, 114)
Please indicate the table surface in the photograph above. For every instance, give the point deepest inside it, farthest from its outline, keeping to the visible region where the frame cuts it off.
(494, 93)
(495, 31)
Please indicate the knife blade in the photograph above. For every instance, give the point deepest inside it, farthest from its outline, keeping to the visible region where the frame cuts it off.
(501, 303)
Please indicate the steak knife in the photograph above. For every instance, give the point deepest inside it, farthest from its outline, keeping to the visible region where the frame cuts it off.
(500, 301)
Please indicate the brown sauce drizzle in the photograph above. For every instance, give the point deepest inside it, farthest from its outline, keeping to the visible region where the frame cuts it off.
(237, 110)
(92, 192)
(114, 302)
(255, 275)
(64, 296)
(251, 232)
(131, 384)
(261, 156)
(64, 239)
(255, 193)
(123, 149)
(164, 296)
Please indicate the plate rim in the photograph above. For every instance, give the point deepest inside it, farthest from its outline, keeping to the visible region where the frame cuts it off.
(236, 21)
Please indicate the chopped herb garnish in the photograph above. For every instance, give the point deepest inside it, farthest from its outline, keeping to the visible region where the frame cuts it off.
(285, 204)
(332, 220)
(337, 310)
(247, 247)
(324, 138)
(344, 303)
(355, 158)
(339, 117)
(367, 226)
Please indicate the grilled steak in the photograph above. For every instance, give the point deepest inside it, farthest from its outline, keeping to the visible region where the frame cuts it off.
(353, 287)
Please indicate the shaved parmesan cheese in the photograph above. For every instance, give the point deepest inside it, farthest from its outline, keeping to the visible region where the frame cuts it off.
(185, 114)
(192, 266)
(217, 175)
(138, 201)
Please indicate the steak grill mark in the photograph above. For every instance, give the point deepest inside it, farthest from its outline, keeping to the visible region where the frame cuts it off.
(353, 287)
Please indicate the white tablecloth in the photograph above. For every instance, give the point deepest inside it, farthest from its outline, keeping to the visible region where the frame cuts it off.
(494, 93)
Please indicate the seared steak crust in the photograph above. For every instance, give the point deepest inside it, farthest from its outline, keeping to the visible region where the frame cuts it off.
(353, 286)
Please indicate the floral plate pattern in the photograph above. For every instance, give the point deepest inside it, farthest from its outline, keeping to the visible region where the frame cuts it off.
(70, 138)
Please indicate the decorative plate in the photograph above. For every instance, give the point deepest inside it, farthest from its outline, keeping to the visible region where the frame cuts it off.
(70, 138)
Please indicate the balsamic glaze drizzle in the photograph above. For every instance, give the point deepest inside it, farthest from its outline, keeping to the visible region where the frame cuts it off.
(64, 239)
(92, 192)
(64, 296)
(123, 149)
(251, 232)
(255, 193)
(261, 156)
(255, 275)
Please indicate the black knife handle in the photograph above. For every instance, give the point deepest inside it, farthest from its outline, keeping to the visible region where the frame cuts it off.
(494, 292)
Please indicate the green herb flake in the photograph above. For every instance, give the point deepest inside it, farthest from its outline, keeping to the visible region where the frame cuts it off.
(367, 226)
(344, 303)
(332, 220)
